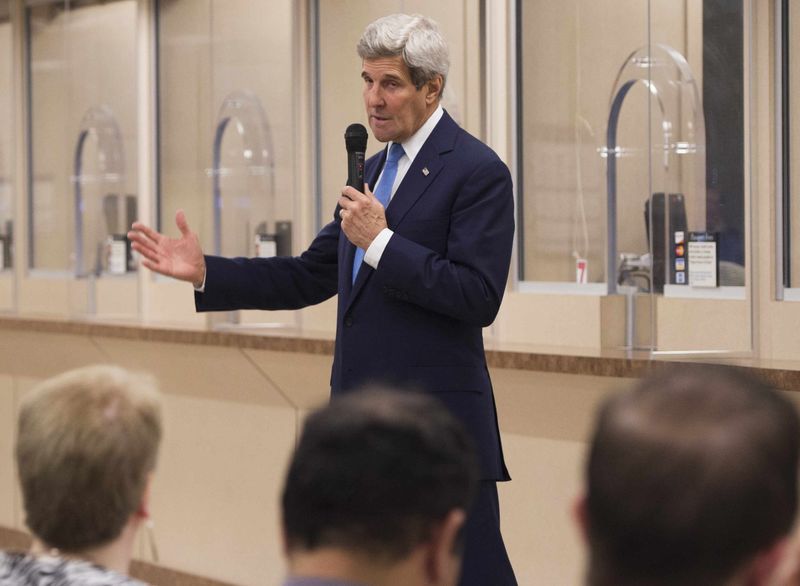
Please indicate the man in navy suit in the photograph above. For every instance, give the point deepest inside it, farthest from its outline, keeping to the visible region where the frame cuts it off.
(419, 261)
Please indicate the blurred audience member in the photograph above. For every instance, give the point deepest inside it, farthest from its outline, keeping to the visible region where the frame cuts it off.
(377, 493)
(86, 448)
(691, 481)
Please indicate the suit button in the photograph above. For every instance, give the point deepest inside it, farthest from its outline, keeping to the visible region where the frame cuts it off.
(348, 322)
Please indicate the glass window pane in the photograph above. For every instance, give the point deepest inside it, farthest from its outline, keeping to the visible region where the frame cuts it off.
(570, 55)
(7, 125)
(82, 61)
(594, 72)
(792, 48)
(227, 122)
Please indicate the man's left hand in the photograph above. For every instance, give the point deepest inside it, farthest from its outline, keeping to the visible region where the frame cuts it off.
(363, 216)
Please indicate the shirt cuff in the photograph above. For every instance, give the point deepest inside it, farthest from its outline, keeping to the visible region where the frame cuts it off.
(202, 287)
(373, 254)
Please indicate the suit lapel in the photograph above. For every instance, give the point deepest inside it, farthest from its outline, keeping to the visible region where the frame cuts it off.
(419, 177)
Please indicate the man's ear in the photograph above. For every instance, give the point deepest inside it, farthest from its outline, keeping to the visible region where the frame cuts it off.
(143, 510)
(581, 516)
(442, 564)
(769, 566)
(433, 90)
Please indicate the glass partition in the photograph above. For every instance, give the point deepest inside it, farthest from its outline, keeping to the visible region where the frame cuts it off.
(632, 163)
(83, 180)
(226, 114)
(7, 159)
(339, 83)
(228, 108)
(789, 128)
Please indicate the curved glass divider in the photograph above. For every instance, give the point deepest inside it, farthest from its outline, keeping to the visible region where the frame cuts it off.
(97, 183)
(243, 175)
(669, 79)
(676, 177)
(243, 187)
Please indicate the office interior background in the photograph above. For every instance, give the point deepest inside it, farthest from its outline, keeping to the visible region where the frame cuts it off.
(622, 121)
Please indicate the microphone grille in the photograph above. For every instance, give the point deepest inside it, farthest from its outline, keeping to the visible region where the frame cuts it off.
(355, 138)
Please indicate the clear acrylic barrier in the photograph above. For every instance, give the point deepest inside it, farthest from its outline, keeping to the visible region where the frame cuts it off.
(632, 128)
(708, 310)
(102, 210)
(243, 176)
(83, 114)
(228, 116)
(7, 160)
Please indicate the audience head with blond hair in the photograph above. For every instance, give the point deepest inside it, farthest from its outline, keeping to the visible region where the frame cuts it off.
(691, 480)
(86, 448)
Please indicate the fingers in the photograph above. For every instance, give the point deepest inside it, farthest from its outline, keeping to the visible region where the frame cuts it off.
(146, 230)
(147, 252)
(353, 194)
(140, 242)
(183, 225)
(150, 265)
(346, 203)
(353, 200)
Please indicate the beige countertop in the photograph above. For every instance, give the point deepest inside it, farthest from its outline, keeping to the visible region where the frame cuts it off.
(613, 363)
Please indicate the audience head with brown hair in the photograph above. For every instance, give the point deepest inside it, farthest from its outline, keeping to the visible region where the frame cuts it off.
(691, 480)
(377, 493)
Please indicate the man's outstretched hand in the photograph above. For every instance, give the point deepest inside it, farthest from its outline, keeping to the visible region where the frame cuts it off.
(181, 258)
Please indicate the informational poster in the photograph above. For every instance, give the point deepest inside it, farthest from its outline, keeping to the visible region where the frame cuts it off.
(702, 251)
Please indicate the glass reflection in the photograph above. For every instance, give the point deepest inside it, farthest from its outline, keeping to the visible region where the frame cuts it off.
(227, 111)
(6, 137)
(83, 132)
(570, 54)
(244, 176)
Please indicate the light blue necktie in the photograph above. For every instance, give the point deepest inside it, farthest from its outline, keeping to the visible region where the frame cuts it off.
(383, 193)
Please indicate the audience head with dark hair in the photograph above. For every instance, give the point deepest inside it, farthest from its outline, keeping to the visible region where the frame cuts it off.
(377, 492)
(86, 447)
(691, 480)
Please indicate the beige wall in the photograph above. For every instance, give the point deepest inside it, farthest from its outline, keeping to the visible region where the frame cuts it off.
(231, 419)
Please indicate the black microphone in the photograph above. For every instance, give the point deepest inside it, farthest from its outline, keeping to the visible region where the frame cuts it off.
(355, 139)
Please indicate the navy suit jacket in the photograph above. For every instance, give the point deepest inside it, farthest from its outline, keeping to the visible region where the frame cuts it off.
(415, 322)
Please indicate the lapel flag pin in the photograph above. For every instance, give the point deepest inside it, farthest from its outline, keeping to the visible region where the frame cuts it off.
(425, 171)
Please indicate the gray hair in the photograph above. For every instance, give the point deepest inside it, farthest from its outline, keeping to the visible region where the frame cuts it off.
(416, 38)
(87, 441)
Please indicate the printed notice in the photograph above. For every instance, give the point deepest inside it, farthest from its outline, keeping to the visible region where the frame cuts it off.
(703, 259)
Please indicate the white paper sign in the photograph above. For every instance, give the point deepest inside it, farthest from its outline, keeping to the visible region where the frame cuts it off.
(702, 264)
(266, 248)
(117, 261)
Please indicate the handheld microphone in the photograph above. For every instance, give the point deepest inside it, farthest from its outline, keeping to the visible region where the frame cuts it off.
(355, 139)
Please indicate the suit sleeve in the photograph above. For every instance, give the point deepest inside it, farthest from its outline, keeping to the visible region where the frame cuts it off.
(273, 283)
(467, 281)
